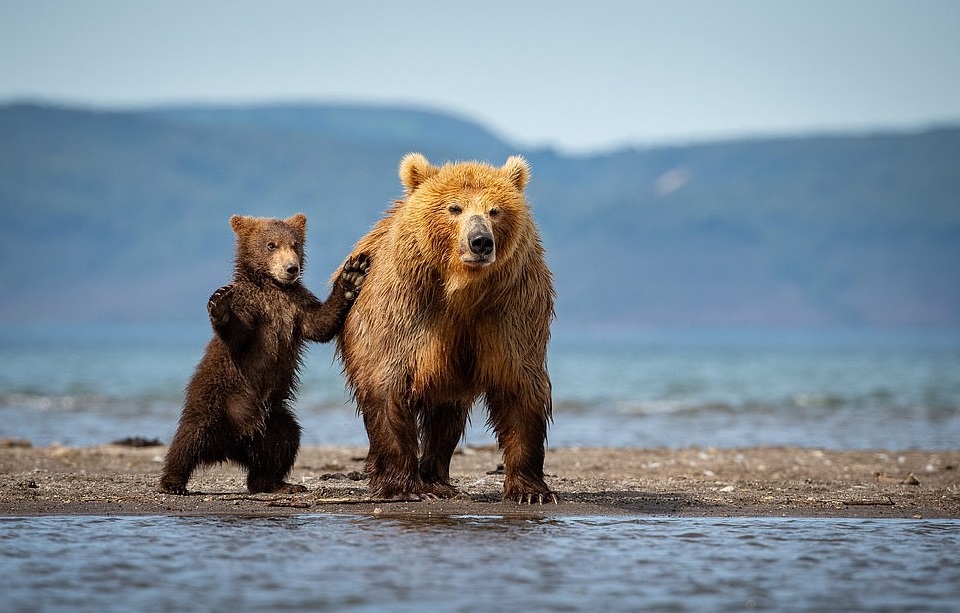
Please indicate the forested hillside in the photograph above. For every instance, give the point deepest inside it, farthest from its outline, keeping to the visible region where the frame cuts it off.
(124, 215)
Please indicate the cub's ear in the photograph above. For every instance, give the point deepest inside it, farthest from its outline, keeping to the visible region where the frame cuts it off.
(518, 171)
(240, 223)
(298, 221)
(414, 170)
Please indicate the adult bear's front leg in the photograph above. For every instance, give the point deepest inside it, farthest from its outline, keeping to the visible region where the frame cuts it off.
(519, 418)
(441, 427)
(392, 458)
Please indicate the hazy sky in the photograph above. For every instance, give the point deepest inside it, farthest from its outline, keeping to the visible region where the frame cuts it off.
(576, 75)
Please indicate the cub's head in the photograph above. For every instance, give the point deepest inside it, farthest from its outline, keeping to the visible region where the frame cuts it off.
(470, 217)
(271, 248)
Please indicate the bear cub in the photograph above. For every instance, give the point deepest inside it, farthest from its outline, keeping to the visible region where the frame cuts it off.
(238, 402)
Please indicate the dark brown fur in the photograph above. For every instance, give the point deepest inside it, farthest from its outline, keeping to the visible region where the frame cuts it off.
(440, 324)
(237, 405)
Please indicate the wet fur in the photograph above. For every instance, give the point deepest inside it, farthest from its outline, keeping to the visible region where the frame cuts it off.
(430, 334)
(238, 402)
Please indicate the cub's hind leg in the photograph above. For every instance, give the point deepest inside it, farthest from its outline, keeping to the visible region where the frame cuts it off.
(271, 455)
(196, 443)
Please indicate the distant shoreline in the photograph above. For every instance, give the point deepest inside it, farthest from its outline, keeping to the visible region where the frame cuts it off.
(691, 482)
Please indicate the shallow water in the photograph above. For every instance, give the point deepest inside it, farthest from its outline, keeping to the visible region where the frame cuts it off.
(838, 389)
(319, 562)
(671, 388)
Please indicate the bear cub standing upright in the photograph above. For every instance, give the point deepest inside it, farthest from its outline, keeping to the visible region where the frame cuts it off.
(237, 405)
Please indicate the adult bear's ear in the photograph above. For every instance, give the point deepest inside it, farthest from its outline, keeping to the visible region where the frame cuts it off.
(518, 171)
(414, 170)
(298, 221)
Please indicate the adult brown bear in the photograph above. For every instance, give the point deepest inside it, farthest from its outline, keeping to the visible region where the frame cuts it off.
(457, 305)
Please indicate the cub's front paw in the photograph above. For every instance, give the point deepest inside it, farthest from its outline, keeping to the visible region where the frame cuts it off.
(353, 275)
(219, 304)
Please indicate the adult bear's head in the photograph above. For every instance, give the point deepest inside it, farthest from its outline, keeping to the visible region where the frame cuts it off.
(470, 217)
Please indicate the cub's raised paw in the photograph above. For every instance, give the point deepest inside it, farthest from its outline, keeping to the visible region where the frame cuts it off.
(353, 275)
(219, 304)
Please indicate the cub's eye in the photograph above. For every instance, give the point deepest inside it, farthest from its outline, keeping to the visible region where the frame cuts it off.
(455, 209)
(271, 246)
(494, 212)
(295, 245)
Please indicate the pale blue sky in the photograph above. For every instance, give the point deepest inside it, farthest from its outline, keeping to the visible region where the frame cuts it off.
(580, 76)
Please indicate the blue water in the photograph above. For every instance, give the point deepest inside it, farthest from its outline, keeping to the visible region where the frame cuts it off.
(863, 389)
(339, 563)
(847, 388)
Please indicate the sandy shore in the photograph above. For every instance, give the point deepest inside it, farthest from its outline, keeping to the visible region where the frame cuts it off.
(767, 482)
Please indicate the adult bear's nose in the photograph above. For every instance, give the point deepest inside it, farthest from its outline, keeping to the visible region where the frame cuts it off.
(481, 243)
(479, 238)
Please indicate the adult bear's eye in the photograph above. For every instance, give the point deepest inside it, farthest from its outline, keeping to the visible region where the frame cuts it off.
(271, 246)
(455, 209)
(494, 212)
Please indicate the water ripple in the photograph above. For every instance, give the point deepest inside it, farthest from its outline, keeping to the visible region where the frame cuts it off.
(476, 562)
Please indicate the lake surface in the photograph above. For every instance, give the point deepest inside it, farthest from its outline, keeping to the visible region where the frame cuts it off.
(845, 388)
(344, 563)
(858, 389)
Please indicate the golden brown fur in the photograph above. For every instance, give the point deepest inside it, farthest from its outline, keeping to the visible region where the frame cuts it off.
(457, 306)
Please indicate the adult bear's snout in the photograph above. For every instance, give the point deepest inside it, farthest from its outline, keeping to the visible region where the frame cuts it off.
(479, 237)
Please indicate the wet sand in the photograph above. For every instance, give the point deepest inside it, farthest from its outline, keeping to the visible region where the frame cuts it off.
(752, 482)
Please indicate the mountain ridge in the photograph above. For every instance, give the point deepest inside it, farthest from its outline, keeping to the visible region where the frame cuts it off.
(132, 209)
